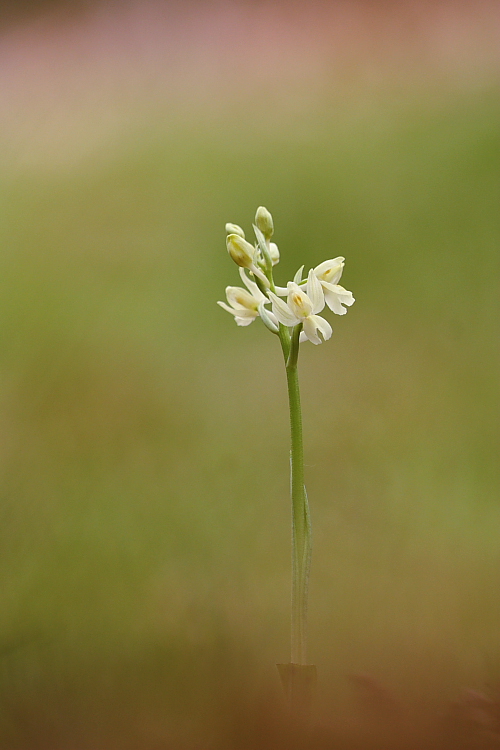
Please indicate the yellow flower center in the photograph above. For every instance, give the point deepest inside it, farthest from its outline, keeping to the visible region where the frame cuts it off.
(245, 300)
(329, 273)
(297, 299)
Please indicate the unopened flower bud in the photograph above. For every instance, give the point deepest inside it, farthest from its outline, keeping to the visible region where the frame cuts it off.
(274, 253)
(241, 251)
(264, 221)
(235, 229)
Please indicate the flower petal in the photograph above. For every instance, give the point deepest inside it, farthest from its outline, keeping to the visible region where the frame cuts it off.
(323, 326)
(226, 307)
(281, 291)
(240, 312)
(252, 287)
(243, 321)
(282, 311)
(346, 296)
(315, 292)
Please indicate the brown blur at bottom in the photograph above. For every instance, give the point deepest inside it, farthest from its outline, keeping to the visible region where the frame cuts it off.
(375, 720)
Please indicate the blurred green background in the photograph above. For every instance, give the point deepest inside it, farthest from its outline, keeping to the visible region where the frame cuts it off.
(145, 529)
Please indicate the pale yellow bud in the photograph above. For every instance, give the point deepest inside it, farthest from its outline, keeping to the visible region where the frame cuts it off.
(235, 229)
(264, 221)
(241, 251)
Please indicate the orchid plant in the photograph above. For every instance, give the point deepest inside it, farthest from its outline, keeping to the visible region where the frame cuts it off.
(294, 321)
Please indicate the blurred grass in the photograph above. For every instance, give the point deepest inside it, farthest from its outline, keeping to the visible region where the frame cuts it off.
(145, 521)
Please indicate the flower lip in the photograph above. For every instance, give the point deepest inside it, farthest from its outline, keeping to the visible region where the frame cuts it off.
(312, 325)
(336, 296)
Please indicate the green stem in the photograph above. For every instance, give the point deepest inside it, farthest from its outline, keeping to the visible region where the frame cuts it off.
(301, 525)
(301, 522)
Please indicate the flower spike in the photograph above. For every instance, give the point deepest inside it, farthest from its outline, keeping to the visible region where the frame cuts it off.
(305, 298)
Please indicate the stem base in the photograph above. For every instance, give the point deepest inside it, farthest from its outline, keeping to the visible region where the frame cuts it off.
(299, 683)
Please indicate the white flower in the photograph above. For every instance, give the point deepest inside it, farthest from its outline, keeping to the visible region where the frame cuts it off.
(330, 270)
(328, 273)
(244, 305)
(302, 307)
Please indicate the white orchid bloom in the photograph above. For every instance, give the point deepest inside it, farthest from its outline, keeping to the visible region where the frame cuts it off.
(330, 270)
(328, 273)
(302, 307)
(243, 304)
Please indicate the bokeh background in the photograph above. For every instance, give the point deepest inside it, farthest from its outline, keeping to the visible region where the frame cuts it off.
(145, 530)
